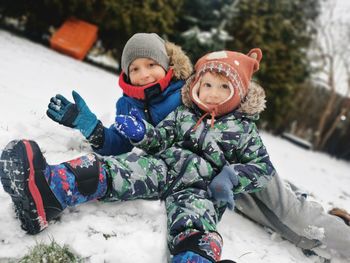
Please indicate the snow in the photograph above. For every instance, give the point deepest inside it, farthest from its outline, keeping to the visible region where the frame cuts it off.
(132, 231)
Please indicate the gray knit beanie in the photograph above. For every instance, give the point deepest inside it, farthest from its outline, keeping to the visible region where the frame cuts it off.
(144, 45)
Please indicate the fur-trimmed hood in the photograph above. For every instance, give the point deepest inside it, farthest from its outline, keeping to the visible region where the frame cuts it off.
(254, 103)
(179, 61)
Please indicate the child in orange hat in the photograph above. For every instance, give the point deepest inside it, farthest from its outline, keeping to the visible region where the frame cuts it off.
(211, 148)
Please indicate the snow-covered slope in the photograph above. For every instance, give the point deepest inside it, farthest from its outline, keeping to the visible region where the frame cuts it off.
(131, 231)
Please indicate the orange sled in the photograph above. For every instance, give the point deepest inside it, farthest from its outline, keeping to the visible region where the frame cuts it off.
(74, 38)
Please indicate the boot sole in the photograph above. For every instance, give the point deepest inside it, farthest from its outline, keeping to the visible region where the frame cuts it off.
(17, 174)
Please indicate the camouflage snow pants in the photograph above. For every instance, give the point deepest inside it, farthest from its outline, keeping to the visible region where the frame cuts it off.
(181, 184)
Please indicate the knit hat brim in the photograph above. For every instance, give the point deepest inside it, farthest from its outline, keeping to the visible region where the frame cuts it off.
(144, 45)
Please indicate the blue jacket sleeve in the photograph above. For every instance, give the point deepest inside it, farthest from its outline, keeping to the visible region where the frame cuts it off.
(114, 143)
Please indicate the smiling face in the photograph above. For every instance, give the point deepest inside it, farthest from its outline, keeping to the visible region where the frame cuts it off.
(144, 71)
(214, 89)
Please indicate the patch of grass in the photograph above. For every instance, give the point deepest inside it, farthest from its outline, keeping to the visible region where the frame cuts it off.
(50, 253)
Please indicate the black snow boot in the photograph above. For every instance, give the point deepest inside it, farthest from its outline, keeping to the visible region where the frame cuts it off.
(22, 168)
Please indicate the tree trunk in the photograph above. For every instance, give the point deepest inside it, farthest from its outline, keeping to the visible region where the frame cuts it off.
(332, 128)
(328, 109)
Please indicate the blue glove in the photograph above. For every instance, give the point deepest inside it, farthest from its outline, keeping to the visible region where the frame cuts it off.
(132, 126)
(222, 185)
(75, 115)
(189, 256)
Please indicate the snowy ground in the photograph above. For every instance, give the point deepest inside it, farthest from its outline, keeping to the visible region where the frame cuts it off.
(132, 231)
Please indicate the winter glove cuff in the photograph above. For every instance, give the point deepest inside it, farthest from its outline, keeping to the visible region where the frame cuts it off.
(97, 138)
(86, 121)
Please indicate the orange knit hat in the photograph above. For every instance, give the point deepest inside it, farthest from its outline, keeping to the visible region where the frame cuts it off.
(237, 67)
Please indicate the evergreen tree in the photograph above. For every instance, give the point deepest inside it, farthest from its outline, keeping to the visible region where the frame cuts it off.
(202, 26)
(117, 20)
(282, 30)
(121, 19)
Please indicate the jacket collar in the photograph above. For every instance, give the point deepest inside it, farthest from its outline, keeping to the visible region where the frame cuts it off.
(145, 92)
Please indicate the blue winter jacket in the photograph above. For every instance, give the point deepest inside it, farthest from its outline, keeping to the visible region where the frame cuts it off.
(158, 108)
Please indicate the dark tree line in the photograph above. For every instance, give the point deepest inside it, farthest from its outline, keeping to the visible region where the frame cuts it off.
(117, 20)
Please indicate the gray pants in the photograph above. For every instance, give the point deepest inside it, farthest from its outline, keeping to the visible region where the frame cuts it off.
(302, 222)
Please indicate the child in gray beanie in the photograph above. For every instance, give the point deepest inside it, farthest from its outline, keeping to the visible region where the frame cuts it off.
(144, 45)
(153, 88)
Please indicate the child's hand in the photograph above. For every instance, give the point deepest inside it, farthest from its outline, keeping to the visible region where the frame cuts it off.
(222, 185)
(75, 115)
(131, 126)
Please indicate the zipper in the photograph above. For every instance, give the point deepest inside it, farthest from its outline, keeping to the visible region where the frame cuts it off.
(202, 136)
(148, 114)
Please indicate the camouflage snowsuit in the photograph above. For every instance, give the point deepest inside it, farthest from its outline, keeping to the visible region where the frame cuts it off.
(182, 162)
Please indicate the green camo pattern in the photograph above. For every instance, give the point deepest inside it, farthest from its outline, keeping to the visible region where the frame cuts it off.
(234, 140)
(181, 163)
